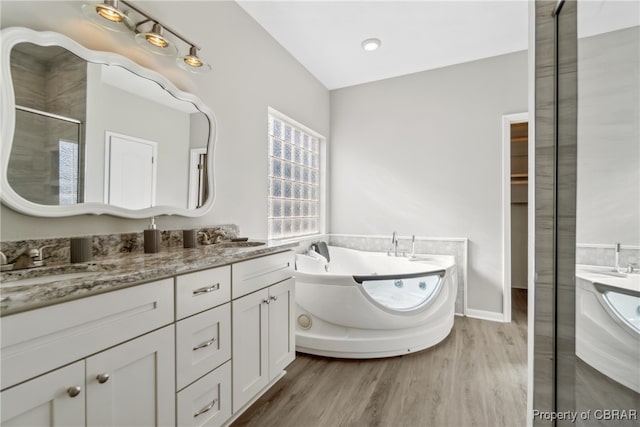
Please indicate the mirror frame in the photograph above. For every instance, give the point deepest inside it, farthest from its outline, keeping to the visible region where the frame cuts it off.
(14, 35)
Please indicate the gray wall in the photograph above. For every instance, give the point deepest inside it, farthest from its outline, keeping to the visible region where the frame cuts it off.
(250, 72)
(609, 138)
(421, 154)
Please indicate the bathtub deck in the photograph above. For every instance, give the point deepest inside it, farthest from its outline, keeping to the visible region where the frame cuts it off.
(476, 376)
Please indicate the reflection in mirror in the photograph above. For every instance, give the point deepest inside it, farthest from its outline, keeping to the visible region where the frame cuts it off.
(607, 345)
(608, 191)
(100, 132)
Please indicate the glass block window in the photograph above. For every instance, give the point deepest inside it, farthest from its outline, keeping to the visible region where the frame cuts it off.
(294, 179)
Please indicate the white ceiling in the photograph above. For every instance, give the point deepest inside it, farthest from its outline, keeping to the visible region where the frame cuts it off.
(325, 36)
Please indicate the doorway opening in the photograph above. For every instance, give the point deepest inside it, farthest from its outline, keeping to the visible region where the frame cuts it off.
(515, 165)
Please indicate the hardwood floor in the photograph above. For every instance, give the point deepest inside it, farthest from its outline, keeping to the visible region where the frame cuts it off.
(476, 377)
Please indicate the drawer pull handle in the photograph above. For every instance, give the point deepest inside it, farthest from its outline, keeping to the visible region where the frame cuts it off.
(206, 408)
(206, 289)
(204, 344)
(103, 378)
(74, 391)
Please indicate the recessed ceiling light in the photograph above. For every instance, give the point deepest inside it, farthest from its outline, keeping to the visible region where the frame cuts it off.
(371, 44)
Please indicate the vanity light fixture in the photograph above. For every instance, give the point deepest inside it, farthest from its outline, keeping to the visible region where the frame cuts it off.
(371, 44)
(108, 15)
(156, 42)
(192, 62)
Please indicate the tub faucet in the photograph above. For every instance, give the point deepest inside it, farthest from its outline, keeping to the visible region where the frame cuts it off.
(413, 246)
(616, 266)
(394, 242)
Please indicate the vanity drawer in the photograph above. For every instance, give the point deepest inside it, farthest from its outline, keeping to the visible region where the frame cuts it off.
(254, 274)
(37, 341)
(203, 342)
(207, 401)
(202, 290)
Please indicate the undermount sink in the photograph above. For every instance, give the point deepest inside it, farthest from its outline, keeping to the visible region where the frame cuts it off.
(238, 244)
(47, 279)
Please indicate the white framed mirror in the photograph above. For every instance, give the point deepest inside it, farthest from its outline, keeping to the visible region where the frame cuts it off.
(88, 132)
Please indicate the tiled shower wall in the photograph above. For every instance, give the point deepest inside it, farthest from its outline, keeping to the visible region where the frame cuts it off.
(605, 255)
(52, 85)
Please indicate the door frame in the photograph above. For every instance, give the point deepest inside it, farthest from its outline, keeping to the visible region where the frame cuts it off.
(194, 162)
(507, 121)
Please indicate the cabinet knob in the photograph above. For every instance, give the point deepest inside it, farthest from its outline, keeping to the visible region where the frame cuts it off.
(103, 378)
(265, 301)
(74, 391)
(274, 298)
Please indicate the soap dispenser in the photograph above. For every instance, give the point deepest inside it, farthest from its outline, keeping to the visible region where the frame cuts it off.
(152, 238)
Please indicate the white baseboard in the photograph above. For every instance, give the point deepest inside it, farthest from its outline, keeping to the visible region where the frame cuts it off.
(485, 315)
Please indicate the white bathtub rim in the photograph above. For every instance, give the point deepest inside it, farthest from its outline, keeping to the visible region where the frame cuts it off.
(590, 286)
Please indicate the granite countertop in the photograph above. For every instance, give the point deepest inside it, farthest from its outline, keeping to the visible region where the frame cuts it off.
(102, 275)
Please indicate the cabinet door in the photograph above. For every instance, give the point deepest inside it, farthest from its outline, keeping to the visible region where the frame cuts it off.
(282, 345)
(250, 346)
(133, 384)
(47, 400)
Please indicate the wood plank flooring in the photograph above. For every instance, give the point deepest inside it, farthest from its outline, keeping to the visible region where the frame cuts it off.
(476, 377)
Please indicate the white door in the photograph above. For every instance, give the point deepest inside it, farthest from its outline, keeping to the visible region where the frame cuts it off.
(282, 345)
(250, 346)
(133, 384)
(131, 172)
(54, 399)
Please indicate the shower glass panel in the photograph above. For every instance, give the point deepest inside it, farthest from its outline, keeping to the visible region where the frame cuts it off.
(47, 149)
(607, 367)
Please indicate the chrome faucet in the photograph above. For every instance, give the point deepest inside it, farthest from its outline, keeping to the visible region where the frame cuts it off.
(394, 242)
(206, 240)
(616, 266)
(413, 246)
(38, 254)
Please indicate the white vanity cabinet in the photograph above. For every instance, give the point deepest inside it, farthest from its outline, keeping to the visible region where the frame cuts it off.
(263, 329)
(130, 383)
(190, 350)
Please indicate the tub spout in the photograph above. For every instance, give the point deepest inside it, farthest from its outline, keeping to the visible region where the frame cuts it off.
(413, 246)
(394, 242)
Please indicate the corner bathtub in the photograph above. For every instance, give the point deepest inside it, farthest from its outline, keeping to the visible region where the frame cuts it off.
(608, 323)
(366, 305)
